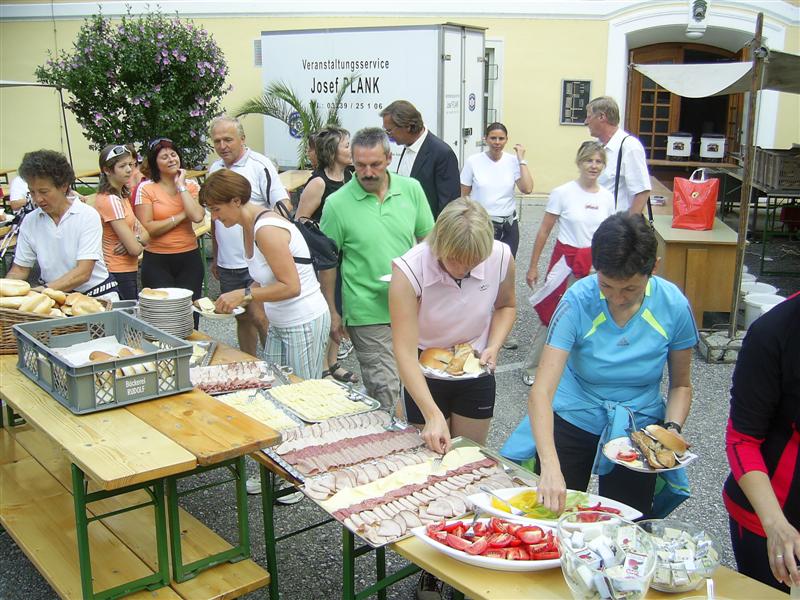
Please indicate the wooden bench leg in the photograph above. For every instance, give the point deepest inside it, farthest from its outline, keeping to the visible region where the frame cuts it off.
(180, 571)
(81, 498)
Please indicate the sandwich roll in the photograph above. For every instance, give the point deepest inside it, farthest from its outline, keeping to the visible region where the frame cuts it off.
(670, 440)
(126, 352)
(14, 287)
(40, 304)
(148, 366)
(152, 294)
(73, 298)
(57, 295)
(86, 306)
(11, 301)
(56, 312)
(436, 358)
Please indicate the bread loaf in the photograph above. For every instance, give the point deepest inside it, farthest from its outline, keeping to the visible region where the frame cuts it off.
(14, 287)
(100, 356)
(57, 295)
(86, 306)
(11, 301)
(40, 304)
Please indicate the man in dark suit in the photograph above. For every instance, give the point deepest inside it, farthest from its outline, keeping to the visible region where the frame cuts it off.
(425, 157)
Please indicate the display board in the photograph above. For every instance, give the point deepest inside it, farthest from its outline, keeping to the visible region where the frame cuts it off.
(575, 95)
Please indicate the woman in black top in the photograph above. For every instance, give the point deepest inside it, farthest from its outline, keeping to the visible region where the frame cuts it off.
(334, 169)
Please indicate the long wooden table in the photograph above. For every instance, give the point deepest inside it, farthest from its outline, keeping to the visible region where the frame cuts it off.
(120, 460)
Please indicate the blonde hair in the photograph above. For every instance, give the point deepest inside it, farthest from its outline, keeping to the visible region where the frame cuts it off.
(463, 232)
(588, 149)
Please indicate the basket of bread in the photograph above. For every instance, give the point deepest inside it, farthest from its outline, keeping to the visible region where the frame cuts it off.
(459, 362)
(19, 303)
(102, 360)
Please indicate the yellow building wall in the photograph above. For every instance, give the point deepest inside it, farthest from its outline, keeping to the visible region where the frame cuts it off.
(538, 55)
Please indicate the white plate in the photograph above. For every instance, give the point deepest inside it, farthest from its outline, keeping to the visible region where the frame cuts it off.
(621, 444)
(236, 311)
(173, 294)
(437, 374)
(484, 502)
(497, 564)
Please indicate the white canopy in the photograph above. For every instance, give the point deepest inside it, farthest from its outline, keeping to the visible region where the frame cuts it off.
(782, 73)
(6, 83)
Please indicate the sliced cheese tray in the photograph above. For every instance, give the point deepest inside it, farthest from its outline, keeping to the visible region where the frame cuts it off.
(259, 406)
(316, 400)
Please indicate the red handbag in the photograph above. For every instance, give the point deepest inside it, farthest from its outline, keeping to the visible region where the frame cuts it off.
(694, 202)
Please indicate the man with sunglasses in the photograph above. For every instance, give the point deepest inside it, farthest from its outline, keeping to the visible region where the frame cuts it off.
(229, 265)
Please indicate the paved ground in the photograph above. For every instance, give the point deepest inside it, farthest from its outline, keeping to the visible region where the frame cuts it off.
(19, 580)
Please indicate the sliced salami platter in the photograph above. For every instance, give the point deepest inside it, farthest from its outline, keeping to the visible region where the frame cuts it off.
(221, 379)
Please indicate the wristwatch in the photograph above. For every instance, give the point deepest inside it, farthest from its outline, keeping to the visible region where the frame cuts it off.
(182, 189)
(673, 425)
(523, 162)
(248, 295)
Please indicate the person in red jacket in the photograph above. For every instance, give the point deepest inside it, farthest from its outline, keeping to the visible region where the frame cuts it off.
(762, 493)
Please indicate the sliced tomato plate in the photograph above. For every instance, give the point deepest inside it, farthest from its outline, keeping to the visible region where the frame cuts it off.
(494, 557)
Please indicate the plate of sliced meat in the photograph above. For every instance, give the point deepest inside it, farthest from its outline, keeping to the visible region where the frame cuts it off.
(221, 379)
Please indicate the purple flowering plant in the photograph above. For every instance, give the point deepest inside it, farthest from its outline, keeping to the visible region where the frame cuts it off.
(142, 77)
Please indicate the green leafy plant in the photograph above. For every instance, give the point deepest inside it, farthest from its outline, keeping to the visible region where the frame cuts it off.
(280, 101)
(144, 77)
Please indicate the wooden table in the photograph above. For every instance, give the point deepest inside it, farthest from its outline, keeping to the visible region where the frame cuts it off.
(482, 584)
(295, 178)
(700, 263)
(120, 460)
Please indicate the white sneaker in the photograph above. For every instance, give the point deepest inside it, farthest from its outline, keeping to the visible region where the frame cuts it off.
(293, 498)
(253, 485)
(345, 348)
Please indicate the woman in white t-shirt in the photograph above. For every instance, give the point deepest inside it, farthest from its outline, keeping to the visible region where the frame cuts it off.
(578, 206)
(490, 177)
(299, 321)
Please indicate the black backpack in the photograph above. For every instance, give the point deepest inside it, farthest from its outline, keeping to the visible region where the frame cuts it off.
(324, 253)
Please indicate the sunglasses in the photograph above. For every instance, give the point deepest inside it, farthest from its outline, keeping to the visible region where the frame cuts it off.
(115, 152)
(158, 141)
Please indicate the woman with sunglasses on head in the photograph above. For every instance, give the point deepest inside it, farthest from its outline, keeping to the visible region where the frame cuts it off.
(167, 206)
(334, 169)
(124, 238)
(489, 178)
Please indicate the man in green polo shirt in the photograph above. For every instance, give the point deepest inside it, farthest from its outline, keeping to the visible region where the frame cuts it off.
(374, 218)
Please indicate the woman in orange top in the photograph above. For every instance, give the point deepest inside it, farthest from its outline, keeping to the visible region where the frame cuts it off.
(167, 206)
(123, 237)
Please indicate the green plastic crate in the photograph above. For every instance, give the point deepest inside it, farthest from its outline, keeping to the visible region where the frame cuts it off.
(100, 386)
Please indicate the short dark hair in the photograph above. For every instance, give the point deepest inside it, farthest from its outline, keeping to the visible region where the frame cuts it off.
(326, 144)
(496, 125)
(47, 164)
(404, 114)
(153, 149)
(623, 246)
(223, 186)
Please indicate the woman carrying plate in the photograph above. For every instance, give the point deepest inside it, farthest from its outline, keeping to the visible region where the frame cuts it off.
(457, 286)
(299, 321)
(609, 340)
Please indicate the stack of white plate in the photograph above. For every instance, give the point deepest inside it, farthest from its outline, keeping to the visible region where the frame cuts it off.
(172, 314)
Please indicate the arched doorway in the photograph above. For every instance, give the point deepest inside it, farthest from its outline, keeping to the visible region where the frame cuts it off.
(652, 112)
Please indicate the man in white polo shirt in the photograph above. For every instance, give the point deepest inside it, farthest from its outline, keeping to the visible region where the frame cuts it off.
(633, 189)
(229, 265)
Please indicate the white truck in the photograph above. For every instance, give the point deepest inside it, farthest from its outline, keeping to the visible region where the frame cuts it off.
(438, 68)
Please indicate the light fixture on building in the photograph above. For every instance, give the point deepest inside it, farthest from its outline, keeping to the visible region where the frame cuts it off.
(698, 18)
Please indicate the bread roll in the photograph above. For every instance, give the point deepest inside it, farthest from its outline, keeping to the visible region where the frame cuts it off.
(56, 312)
(57, 295)
(14, 287)
(128, 371)
(152, 294)
(73, 298)
(11, 301)
(436, 358)
(668, 439)
(86, 306)
(40, 304)
(100, 356)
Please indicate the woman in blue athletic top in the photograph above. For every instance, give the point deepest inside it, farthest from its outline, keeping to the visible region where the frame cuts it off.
(608, 342)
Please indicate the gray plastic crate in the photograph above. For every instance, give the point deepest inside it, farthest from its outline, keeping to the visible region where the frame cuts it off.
(100, 386)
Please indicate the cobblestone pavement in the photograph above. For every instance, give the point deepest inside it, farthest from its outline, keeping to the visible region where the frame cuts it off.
(19, 580)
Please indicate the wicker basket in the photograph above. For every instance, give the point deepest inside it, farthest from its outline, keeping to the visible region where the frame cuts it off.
(10, 317)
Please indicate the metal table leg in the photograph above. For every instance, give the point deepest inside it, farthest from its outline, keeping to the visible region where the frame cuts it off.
(267, 499)
(81, 498)
(182, 572)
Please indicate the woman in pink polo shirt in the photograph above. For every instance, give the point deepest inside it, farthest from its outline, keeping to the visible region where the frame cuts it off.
(455, 287)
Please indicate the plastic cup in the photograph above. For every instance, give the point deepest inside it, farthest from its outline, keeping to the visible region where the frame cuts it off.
(605, 556)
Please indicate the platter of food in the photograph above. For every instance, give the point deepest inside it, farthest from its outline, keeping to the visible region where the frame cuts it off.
(534, 513)
(315, 400)
(493, 544)
(257, 405)
(220, 379)
(16, 294)
(205, 307)
(459, 362)
(650, 450)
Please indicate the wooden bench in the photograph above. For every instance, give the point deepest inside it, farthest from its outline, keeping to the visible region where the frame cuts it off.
(47, 477)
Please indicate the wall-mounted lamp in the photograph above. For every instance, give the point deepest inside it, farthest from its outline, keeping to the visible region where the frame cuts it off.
(698, 11)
